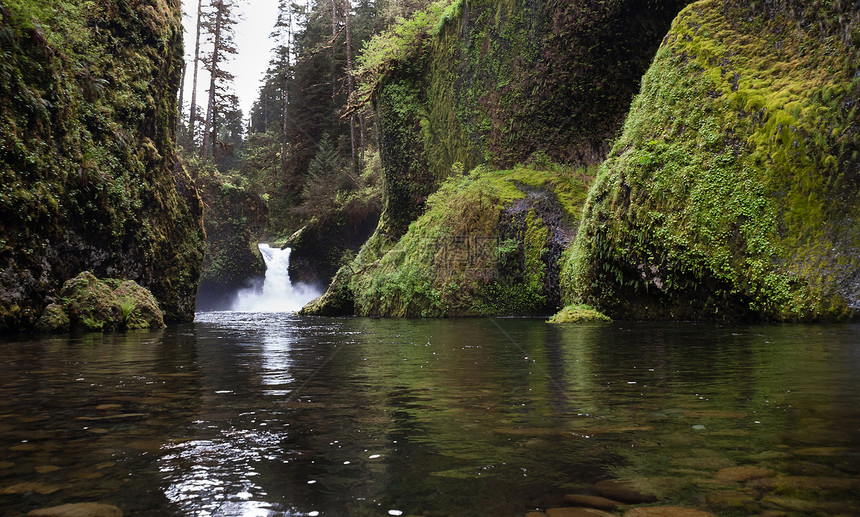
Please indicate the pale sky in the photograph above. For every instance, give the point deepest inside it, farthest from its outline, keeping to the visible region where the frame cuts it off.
(256, 22)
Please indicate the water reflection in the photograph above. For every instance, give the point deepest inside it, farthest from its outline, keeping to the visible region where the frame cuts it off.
(250, 414)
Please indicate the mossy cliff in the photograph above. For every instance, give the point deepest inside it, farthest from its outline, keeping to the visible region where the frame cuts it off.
(89, 179)
(489, 243)
(490, 81)
(234, 219)
(496, 83)
(734, 189)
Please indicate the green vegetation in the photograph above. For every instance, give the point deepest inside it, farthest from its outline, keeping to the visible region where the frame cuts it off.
(88, 173)
(488, 244)
(578, 314)
(732, 192)
(94, 305)
(235, 215)
(496, 83)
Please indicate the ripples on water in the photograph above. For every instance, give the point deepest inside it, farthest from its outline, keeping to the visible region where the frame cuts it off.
(246, 414)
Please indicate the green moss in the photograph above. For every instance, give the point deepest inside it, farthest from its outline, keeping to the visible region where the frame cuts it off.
(234, 218)
(484, 246)
(731, 189)
(88, 173)
(578, 314)
(95, 305)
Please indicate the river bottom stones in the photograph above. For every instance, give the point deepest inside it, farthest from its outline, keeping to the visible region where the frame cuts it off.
(78, 510)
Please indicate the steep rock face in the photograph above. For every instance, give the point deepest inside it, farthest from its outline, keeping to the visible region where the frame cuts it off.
(490, 243)
(500, 83)
(734, 190)
(234, 219)
(89, 179)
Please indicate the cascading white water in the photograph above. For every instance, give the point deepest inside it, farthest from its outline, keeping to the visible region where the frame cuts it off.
(278, 293)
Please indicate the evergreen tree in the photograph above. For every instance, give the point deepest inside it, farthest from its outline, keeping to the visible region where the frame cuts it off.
(220, 24)
(192, 114)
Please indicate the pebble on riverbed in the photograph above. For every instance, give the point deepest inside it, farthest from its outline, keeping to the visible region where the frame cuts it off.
(78, 510)
(667, 511)
(592, 501)
(623, 490)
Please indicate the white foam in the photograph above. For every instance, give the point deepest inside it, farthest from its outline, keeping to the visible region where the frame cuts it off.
(278, 293)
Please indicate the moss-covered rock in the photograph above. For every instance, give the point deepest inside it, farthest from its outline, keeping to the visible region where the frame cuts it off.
(499, 83)
(578, 314)
(489, 81)
(90, 304)
(489, 244)
(89, 179)
(234, 218)
(734, 190)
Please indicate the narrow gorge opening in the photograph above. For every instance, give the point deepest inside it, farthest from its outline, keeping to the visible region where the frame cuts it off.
(277, 292)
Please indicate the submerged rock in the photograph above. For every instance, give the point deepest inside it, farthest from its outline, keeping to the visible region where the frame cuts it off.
(577, 512)
(627, 491)
(742, 474)
(667, 511)
(78, 510)
(23, 488)
(593, 501)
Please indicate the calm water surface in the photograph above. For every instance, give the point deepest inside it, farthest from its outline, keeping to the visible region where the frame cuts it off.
(243, 414)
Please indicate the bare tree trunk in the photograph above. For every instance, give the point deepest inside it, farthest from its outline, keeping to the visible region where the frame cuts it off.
(211, 115)
(193, 117)
(363, 137)
(285, 96)
(333, 47)
(350, 82)
(181, 95)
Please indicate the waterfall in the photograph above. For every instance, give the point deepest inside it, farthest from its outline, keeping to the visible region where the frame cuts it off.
(278, 293)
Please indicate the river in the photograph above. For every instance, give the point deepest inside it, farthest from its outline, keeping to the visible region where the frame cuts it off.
(255, 414)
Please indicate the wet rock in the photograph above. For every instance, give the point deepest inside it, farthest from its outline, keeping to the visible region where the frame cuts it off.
(6, 465)
(769, 456)
(78, 510)
(806, 507)
(535, 514)
(47, 469)
(24, 447)
(667, 511)
(23, 488)
(125, 416)
(591, 500)
(812, 485)
(95, 305)
(714, 413)
(624, 490)
(743, 474)
(108, 407)
(822, 451)
(577, 512)
(54, 318)
(710, 463)
(732, 500)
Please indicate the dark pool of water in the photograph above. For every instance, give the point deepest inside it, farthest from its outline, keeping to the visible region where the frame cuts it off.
(242, 414)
